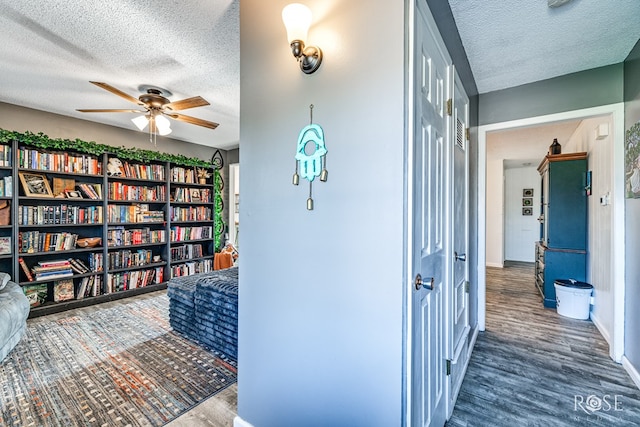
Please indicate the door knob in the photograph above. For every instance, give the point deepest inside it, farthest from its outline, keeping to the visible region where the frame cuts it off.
(426, 283)
(461, 257)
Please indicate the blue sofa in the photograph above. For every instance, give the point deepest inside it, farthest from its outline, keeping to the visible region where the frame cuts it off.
(14, 310)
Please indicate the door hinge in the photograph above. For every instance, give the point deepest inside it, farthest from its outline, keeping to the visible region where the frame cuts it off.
(449, 107)
(466, 286)
(448, 367)
(467, 134)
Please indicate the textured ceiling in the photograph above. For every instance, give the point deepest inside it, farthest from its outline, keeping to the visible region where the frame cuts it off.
(50, 49)
(514, 42)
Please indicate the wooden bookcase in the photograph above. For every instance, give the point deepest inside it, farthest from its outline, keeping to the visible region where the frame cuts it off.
(153, 221)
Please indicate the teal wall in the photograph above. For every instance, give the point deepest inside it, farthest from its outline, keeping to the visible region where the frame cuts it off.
(632, 218)
(590, 88)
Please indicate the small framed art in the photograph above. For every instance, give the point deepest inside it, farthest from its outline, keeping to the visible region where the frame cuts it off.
(35, 184)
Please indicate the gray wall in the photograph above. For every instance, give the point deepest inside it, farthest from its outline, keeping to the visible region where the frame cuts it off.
(321, 304)
(21, 119)
(591, 88)
(632, 219)
(321, 292)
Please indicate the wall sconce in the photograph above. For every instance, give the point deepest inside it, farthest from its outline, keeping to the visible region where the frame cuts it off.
(297, 19)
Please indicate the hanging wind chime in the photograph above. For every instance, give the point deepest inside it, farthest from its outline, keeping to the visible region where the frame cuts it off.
(311, 156)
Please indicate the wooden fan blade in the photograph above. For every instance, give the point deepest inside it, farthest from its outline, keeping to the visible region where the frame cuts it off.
(118, 92)
(110, 111)
(196, 101)
(193, 120)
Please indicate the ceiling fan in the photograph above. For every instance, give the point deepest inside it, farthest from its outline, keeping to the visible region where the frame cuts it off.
(155, 106)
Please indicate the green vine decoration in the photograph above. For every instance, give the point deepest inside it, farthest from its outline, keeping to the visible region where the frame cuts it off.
(42, 141)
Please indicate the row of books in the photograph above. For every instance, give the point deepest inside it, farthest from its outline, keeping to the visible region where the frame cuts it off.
(127, 258)
(36, 241)
(59, 162)
(59, 214)
(6, 186)
(132, 213)
(187, 195)
(180, 234)
(5, 155)
(96, 261)
(119, 236)
(90, 286)
(121, 191)
(193, 267)
(186, 175)
(140, 171)
(90, 190)
(53, 269)
(190, 213)
(117, 282)
(188, 251)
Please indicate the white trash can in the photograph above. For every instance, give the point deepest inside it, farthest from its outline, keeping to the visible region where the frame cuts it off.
(573, 298)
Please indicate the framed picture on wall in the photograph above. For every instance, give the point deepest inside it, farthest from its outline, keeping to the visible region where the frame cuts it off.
(527, 192)
(527, 201)
(527, 211)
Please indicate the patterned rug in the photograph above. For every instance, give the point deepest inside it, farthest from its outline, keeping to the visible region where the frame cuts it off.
(115, 366)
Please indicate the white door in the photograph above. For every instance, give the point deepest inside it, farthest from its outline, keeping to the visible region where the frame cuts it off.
(458, 298)
(430, 172)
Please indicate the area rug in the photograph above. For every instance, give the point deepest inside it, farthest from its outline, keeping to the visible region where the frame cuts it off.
(115, 366)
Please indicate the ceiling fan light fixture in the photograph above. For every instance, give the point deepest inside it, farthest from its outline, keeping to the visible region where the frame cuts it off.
(140, 122)
(162, 122)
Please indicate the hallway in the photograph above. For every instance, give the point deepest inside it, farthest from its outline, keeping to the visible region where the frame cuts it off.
(533, 367)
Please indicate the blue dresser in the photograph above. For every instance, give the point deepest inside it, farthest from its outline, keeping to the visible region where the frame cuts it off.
(561, 252)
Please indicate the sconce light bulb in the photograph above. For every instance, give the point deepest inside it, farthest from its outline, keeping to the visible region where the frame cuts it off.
(297, 20)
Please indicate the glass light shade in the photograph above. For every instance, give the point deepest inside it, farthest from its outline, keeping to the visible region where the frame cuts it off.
(297, 20)
(141, 122)
(163, 125)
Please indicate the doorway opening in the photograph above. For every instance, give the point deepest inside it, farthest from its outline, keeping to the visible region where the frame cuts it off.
(610, 322)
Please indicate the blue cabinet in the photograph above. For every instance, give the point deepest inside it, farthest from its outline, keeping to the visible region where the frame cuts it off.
(562, 250)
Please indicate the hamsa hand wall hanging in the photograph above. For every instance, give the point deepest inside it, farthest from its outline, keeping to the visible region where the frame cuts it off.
(311, 156)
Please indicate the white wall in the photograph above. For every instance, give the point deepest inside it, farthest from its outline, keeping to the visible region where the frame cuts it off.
(600, 254)
(521, 231)
(528, 144)
(320, 304)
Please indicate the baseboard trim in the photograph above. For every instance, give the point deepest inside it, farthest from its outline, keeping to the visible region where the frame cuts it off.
(601, 328)
(494, 264)
(239, 422)
(631, 370)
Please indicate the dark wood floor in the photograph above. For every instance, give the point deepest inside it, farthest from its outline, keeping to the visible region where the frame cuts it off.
(533, 367)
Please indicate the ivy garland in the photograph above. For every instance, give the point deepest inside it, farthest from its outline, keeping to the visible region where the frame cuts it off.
(42, 141)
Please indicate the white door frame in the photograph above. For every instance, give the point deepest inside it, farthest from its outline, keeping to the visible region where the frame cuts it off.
(616, 350)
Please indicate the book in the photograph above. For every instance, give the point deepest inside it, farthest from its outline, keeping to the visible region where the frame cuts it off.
(36, 294)
(25, 269)
(8, 186)
(63, 290)
(5, 245)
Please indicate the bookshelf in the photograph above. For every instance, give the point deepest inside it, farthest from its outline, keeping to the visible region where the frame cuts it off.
(79, 233)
